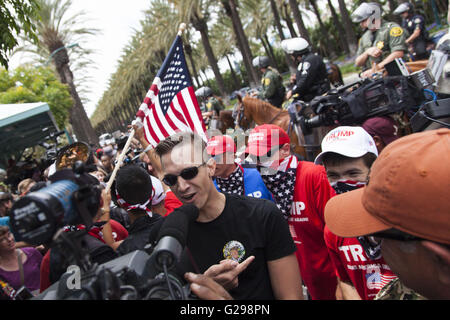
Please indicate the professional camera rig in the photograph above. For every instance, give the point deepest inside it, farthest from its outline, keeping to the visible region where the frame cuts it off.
(356, 102)
(40, 218)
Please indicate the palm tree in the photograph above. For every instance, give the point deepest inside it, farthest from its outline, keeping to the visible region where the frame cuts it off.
(299, 20)
(198, 13)
(348, 27)
(279, 27)
(341, 32)
(286, 14)
(328, 47)
(242, 40)
(55, 32)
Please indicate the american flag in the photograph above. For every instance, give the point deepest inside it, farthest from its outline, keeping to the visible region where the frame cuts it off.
(170, 105)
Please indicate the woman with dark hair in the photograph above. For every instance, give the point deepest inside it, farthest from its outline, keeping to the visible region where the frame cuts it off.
(18, 267)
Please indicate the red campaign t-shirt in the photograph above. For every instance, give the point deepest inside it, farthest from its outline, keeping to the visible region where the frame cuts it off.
(306, 223)
(171, 202)
(352, 265)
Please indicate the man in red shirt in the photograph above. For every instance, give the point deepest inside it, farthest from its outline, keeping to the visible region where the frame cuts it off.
(347, 154)
(301, 190)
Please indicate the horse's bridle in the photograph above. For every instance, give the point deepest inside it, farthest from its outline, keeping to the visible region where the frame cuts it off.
(239, 116)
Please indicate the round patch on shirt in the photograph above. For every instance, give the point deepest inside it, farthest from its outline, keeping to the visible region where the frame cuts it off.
(266, 81)
(234, 250)
(417, 21)
(396, 32)
(380, 45)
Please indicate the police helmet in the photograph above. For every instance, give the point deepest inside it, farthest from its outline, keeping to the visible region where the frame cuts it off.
(203, 92)
(365, 11)
(404, 7)
(295, 46)
(261, 62)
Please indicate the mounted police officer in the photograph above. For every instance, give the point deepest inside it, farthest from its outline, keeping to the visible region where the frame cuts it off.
(414, 24)
(212, 106)
(382, 42)
(273, 89)
(311, 76)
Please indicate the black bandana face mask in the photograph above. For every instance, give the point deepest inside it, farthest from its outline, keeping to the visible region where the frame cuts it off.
(346, 186)
(281, 183)
(234, 184)
(371, 247)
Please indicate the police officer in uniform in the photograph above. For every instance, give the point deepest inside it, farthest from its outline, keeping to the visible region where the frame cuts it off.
(273, 89)
(311, 78)
(212, 106)
(414, 24)
(381, 43)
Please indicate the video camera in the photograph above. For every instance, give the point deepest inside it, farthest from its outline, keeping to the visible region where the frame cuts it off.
(354, 103)
(140, 274)
(51, 150)
(39, 218)
(71, 200)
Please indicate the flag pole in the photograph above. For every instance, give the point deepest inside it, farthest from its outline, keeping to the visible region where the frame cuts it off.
(181, 29)
(120, 160)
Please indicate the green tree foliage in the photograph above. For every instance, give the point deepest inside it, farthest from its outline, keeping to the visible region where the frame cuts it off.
(28, 84)
(15, 15)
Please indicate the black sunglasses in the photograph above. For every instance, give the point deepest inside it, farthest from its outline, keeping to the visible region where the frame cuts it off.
(371, 243)
(186, 174)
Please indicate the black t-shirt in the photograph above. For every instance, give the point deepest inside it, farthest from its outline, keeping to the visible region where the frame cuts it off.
(247, 226)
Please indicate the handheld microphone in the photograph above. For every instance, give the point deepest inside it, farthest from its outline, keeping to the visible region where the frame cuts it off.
(172, 237)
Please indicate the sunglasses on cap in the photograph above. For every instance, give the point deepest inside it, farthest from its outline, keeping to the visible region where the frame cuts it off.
(186, 174)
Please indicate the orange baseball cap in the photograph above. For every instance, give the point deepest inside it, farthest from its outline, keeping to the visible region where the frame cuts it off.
(407, 190)
(264, 137)
(220, 144)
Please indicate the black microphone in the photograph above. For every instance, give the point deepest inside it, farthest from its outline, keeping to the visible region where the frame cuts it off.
(172, 237)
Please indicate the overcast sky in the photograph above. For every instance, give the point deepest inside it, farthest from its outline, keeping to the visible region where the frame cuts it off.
(116, 19)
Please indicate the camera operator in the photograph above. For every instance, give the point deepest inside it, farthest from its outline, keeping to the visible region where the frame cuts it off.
(132, 191)
(240, 242)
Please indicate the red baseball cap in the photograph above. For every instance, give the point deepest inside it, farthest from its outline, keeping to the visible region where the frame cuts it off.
(220, 144)
(384, 127)
(264, 137)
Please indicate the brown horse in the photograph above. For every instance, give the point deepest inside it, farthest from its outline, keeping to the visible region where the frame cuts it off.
(251, 111)
(334, 74)
(226, 120)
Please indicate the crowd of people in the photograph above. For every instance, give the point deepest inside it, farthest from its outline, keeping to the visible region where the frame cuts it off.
(347, 226)
(270, 226)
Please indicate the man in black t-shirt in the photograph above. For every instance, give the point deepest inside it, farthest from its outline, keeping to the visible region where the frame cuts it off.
(242, 243)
